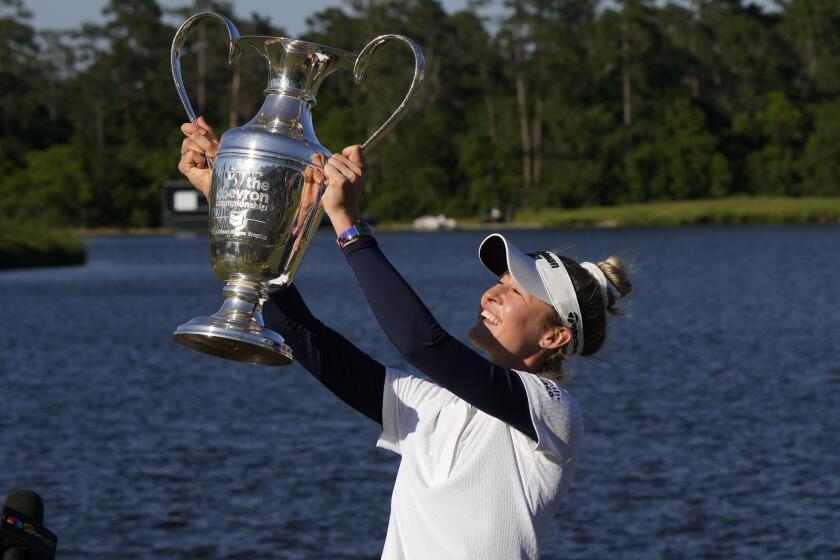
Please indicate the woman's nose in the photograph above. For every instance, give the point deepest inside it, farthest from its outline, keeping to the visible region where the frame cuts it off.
(494, 294)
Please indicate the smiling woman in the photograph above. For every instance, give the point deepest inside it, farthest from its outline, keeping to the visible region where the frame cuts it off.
(489, 443)
(486, 434)
(529, 317)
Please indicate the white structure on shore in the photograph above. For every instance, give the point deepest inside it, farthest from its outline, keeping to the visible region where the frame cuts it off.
(434, 223)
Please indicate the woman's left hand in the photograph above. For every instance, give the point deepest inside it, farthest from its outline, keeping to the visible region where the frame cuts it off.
(345, 175)
(199, 143)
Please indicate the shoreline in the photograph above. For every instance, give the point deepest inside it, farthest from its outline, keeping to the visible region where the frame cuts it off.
(31, 245)
(35, 245)
(714, 212)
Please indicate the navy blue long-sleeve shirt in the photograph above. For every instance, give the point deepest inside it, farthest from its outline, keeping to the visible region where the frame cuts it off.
(359, 380)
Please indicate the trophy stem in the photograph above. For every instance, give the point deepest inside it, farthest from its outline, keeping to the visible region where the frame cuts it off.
(237, 331)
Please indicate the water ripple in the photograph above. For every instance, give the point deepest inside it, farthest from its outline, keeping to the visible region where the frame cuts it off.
(710, 429)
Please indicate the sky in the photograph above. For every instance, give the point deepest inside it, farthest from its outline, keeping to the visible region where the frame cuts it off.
(290, 14)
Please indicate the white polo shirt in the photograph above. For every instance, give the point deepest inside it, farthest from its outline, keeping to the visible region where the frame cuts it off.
(470, 486)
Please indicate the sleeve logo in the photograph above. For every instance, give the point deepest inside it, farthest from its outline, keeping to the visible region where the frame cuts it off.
(551, 388)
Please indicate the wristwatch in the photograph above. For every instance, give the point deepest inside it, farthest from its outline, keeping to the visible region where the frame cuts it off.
(357, 230)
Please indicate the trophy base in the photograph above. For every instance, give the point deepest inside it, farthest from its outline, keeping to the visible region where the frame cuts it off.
(218, 338)
(236, 331)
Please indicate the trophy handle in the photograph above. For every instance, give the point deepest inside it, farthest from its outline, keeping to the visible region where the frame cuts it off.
(175, 57)
(419, 67)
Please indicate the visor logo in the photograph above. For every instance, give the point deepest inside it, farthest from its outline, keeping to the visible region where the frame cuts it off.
(574, 325)
(547, 256)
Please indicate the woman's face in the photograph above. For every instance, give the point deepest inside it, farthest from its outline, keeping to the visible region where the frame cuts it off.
(510, 323)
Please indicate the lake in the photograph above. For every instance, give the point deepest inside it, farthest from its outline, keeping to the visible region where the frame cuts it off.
(711, 414)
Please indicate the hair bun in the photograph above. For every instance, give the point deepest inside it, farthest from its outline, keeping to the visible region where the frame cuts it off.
(616, 272)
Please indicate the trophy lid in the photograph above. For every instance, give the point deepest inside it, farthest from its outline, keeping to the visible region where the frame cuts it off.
(296, 67)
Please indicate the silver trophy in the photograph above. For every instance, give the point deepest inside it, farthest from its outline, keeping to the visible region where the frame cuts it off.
(265, 197)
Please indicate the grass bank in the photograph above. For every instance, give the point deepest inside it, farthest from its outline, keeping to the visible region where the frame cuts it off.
(37, 245)
(725, 211)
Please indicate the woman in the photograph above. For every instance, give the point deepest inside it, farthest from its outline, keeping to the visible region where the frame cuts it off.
(488, 444)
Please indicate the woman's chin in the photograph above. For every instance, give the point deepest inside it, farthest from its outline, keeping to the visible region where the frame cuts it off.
(486, 342)
(479, 335)
(473, 333)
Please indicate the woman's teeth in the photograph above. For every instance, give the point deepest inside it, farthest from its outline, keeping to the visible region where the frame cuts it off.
(489, 317)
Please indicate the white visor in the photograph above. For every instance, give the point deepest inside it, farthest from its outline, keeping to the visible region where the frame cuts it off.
(543, 275)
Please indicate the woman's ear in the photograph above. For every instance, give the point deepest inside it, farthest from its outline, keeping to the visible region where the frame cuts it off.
(555, 337)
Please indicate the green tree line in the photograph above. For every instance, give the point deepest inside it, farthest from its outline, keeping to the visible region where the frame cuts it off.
(541, 103)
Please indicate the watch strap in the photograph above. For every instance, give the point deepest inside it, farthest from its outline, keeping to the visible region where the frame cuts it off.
(358, 229)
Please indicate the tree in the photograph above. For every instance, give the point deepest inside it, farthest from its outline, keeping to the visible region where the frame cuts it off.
(820, 163)
(778, 132)
(812, 28)
(25, 122)
(681, 161)
(53, 187)
(554, 103)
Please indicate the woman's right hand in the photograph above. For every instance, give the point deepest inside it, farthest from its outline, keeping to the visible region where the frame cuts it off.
(200, 141)
(345, 177)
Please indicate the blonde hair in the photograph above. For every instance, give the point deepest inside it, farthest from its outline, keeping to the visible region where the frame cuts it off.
(592, 309)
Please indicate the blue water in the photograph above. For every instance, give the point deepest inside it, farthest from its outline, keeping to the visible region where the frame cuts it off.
(711, 422)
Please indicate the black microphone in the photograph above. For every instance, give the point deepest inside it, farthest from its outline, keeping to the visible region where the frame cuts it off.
(22, 533)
